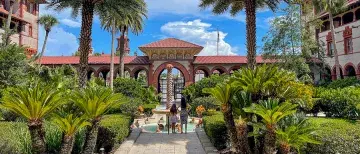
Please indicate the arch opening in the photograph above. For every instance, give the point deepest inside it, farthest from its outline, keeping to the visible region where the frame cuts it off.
(178, 84)
(90, 74)
(348, 18)
(334, 73)
(200, 74)
(141, 76)
(350, 71)
(357, 14)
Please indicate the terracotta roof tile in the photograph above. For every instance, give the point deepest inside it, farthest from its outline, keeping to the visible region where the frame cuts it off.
(171, 43)
(59, 60)
(224, 60)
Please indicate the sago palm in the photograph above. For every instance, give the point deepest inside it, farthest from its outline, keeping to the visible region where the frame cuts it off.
(263, 81)
(250, 6)
(133, 21)
(271, 112)
(70, 125)
(48, 21)
(33, 104)
(296, 136)
(94, 102)
(224, 93)
(332, 7)
(88, 8)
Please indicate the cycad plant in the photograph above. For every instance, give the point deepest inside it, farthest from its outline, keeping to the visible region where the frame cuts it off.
(94, 102)
(271, 112)
(33, 104)
(224, 93)
(295, 133)
(69, 125)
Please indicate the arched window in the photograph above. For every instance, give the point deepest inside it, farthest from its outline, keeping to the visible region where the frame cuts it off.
(350, 71)
(337, 22)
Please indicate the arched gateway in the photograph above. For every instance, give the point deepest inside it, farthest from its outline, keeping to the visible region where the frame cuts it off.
(180, 54)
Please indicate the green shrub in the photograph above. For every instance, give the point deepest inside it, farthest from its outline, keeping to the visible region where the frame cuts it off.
(337, 136)
(195, 90)
(352, 81)
(207, 102)
(130, 108)
(216, 129)
(113, 130)
(338, 102)
(128, 87)
(14, 138)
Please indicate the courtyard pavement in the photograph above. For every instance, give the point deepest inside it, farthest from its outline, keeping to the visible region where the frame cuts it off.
(159, 143)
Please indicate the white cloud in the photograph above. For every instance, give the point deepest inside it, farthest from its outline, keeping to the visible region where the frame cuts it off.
(199, 33)
(60, 42)
(71, 23)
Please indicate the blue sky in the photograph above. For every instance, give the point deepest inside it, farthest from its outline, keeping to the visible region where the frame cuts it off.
(181, 19)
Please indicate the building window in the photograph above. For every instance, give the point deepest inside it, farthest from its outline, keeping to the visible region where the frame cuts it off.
(348, 18)
(30, 31)
(348, 45)
(34, 9)
(31, 7)
(357, 14)
(330, 47)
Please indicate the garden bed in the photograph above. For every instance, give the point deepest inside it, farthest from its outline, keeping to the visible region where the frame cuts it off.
(15, 137)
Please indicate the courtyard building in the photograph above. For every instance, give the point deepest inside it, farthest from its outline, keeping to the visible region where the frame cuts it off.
(347, 35)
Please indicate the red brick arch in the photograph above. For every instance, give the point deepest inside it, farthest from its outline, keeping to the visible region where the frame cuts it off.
(350, 64)
(184, 71)
(333, 72)
(203, 68)
(233, 68)
(125, 69)
(219, 68)
(139, 68)
(101, 69)
(93, 70)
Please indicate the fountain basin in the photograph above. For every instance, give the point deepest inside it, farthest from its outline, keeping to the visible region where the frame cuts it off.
(151, 128)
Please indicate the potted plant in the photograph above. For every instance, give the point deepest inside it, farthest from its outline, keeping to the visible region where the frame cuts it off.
(200, 110)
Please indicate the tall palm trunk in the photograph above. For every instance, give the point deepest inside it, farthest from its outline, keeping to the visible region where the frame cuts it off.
(337, 64)
(230, 124)
(8, 23)
(270, 139)
(43, 47)
(284, 148)
(250, 10)
(113, 30)
(242, 133)
(67, 145)
(37, 137)
(85, 39)
(122, 53)
(90, 139)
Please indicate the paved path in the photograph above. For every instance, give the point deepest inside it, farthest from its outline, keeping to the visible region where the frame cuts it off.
(157, 143)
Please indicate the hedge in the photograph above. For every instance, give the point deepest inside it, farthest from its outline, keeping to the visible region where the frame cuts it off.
(341, 103)
(15, 137)
(337, 135)
(216, 130)
(114, 129)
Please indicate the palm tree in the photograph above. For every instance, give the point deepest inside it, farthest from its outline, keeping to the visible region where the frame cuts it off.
(224, 93)
(70, 125)
(295, 135)
(94, 102)
(88, 8)
(235, 6)
(332, 7)
(109, 22)
(134, 22)
(271, 113)
(33, 104)
(48, 21)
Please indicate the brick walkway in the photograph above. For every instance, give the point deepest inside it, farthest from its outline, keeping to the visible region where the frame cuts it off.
(158, 143)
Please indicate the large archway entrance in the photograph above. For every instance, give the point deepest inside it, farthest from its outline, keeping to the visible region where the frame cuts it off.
(180, 79)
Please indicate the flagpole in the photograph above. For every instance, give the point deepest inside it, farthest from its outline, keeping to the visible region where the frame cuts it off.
(217, 42)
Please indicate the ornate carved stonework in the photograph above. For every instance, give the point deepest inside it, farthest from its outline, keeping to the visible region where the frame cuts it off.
(179, 56)
(188, 56)
(163, 56)
(172, 56)
(155, 56)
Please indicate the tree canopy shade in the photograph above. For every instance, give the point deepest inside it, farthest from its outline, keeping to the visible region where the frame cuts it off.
(234, 7)
(88, 8)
